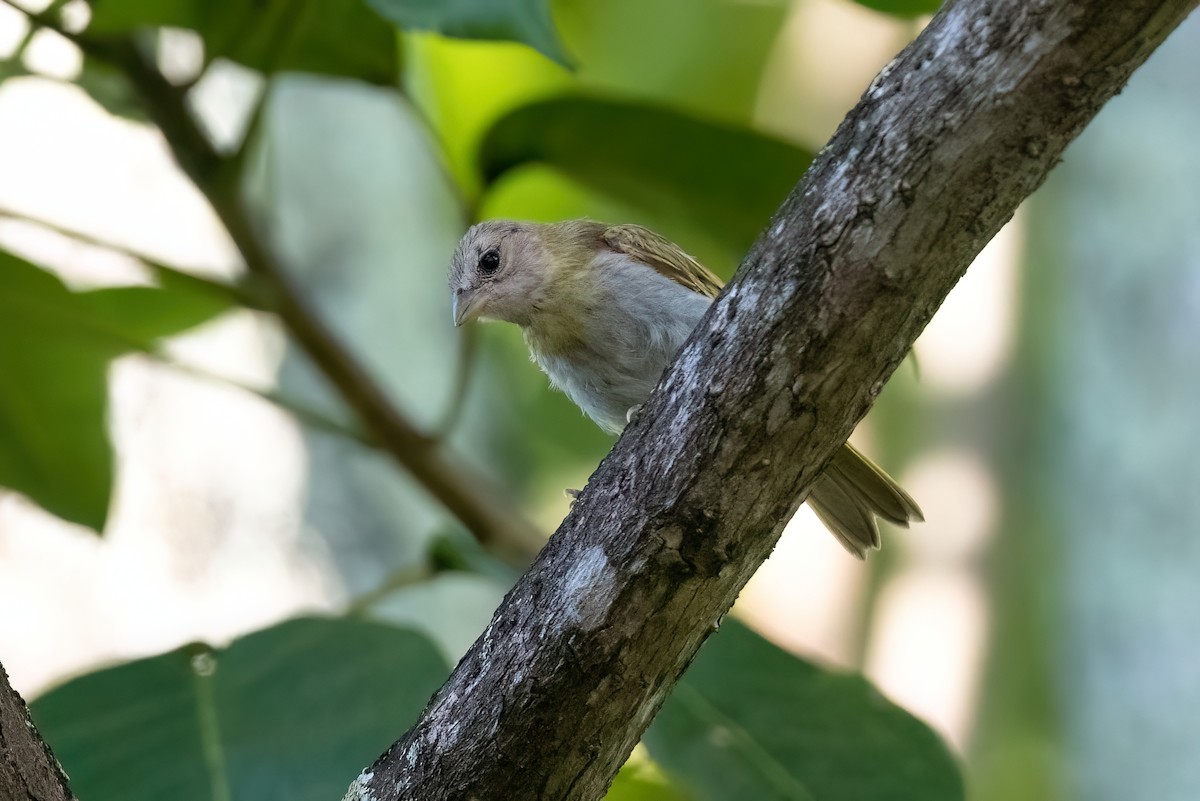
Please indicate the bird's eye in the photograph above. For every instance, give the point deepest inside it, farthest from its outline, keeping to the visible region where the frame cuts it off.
(489, 262)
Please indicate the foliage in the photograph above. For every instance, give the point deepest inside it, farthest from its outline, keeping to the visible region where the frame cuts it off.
(733, 178)
(55, 349)
(525, 21)
(749, 720)
(292, 711)
(333, 37)
(284, 713)
(296, 710)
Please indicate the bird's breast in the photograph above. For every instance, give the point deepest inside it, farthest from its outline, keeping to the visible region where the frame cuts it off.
(610, 352)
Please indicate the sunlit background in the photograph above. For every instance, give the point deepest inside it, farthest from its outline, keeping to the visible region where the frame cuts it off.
(1042, 619)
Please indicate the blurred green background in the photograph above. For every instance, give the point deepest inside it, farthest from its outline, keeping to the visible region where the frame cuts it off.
(178, 472)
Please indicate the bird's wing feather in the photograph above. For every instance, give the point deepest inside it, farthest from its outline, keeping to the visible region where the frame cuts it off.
(663, 256)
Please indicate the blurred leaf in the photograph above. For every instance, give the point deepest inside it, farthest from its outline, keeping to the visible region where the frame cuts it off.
(637, 782)
(525, 21)
(903, 8)
(543, 193)
(462, 87)
(344, 179)
(111, 89)
(11, 68)
(450, 609)
(730, 180)
(748, 720)
(55, 347)
(334, 37)
(664, 50)
(292, 712)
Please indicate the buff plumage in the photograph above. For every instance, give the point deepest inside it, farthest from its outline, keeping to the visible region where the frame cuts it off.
(603, 309)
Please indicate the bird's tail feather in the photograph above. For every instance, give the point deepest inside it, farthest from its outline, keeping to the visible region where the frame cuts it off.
(851, 493)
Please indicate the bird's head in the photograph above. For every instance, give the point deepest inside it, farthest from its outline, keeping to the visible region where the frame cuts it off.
(500, 271)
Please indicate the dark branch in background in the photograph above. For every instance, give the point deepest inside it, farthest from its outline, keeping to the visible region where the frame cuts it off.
(937, 155)
(468, 349)
(27, 768)
(468, 496)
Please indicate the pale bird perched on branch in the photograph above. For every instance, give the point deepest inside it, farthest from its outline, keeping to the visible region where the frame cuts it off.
(603, 309)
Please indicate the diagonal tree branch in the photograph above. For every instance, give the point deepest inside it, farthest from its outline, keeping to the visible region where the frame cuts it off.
(936, 156)
(27, 767)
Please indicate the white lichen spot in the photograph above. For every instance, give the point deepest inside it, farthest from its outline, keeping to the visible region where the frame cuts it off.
(447, 735)
(880, 78)
(204, 664)
(359, 791)
(589, 587)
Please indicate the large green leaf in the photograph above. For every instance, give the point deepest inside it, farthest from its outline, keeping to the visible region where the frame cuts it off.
(728, 179)
(55, 347)
(335, 37)
(293, 712)
(705, 56)
(748, 720)
(525, 21)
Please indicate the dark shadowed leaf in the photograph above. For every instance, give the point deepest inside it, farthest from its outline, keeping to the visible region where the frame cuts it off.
(293, 712)
(728, 179)
(111, 89)
(55, 347)
(334, 37)
(525, 21)
(749, 720)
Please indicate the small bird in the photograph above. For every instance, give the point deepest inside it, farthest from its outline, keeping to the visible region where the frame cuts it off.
(604, 308)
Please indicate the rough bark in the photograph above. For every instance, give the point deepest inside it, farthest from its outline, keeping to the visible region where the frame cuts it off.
(27, 768)
(936, 156)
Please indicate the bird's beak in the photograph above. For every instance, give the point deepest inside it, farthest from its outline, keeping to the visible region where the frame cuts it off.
(466, 306)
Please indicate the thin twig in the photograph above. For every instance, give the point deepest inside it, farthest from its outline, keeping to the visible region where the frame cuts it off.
(468, 347)
(404, 577)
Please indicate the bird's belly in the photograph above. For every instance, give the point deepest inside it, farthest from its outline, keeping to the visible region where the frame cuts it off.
(604, 391)
(620, 343)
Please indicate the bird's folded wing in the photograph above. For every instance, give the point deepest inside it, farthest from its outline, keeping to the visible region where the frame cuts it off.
(663, 255)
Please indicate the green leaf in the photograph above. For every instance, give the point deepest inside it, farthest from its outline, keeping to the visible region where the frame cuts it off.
(292, 712)
(333, 37)
(638, 782)
(704, 56)
(55, 347)
(111, 89)
(451, 609)
(728, 179)
(906, 9)
(525, 21)
(748, 720)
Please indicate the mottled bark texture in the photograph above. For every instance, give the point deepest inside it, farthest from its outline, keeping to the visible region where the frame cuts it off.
(937, 155)
(27, 768)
